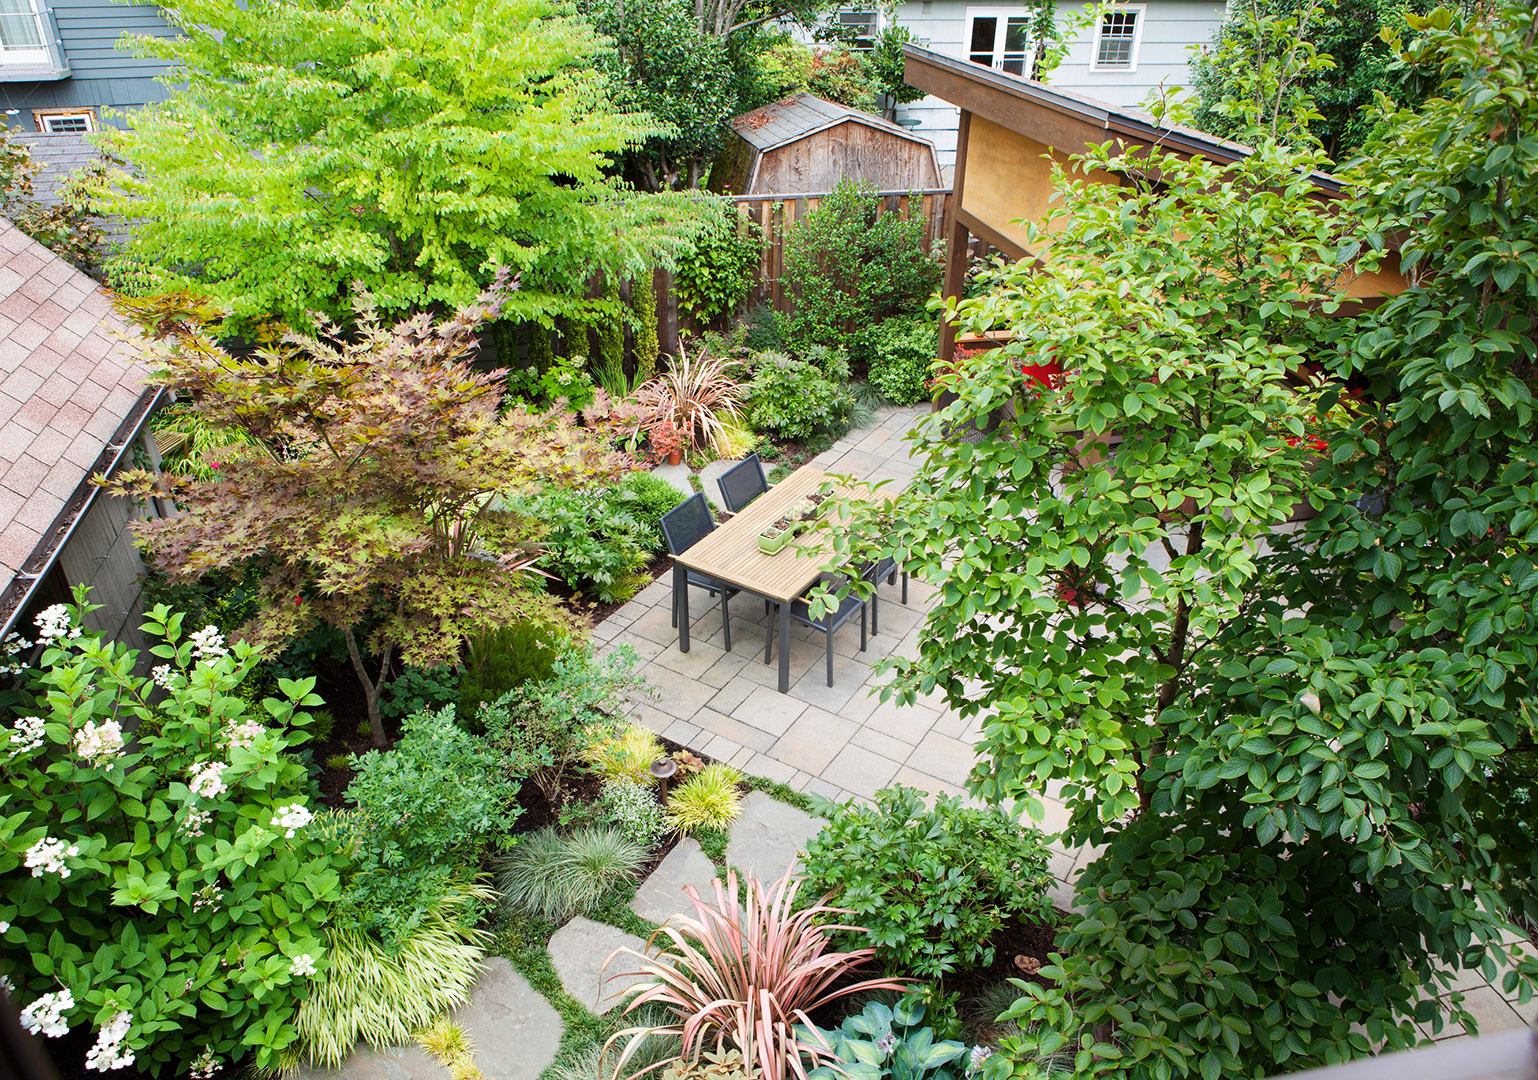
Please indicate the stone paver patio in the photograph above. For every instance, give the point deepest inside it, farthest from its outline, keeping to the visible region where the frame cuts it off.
(844, 742)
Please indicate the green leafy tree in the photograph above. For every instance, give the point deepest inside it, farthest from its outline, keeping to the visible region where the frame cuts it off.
(373, 508)
(885, 65)
(1274, 737)
(157, 879)
(1355, 35)
(414, 147)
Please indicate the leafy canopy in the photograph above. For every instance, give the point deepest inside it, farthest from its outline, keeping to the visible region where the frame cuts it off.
(414, 147)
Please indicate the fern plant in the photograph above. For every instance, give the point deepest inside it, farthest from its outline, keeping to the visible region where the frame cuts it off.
(708, 800)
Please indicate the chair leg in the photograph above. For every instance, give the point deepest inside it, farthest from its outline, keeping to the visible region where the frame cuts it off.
(874, 616)
(726, 622)
(829, 636)
(862, 628)
(905, 588)
(675, 609)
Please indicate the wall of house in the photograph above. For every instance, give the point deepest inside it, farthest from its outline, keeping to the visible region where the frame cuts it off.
(819, 161)
(1169, 28)
(101, 74)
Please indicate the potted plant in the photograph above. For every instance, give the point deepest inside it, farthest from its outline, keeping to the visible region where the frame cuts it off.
(797, 516)
(667, 441)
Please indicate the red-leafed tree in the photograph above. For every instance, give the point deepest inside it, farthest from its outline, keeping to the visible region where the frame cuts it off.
(377, 506)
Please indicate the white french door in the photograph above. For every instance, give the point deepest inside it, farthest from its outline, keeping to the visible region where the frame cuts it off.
(1000, 38)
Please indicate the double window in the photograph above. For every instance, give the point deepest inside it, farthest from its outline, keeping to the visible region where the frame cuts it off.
(1000, 38)
(64, 121)
(860, 25)
(1117, 35)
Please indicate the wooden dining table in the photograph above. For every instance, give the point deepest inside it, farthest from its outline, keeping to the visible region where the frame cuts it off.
(730, 554)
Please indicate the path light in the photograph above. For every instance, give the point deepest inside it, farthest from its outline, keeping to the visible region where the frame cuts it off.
(663, 768)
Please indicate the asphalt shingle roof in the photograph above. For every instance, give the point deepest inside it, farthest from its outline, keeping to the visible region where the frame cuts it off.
(68, 378)
(58, 156)
(799, 115)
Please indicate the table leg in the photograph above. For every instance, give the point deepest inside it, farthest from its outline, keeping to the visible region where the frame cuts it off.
(785, 647)
(681, 599)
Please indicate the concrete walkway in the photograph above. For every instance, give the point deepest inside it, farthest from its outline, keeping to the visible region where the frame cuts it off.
(844, 742)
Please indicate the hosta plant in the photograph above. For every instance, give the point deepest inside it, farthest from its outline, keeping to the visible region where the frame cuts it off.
(881, 1042)
(742, 973)
(159, 884)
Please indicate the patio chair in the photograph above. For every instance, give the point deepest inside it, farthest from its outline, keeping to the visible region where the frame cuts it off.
(684, 526)
(886, 568)
(743, 483)
(801, 612)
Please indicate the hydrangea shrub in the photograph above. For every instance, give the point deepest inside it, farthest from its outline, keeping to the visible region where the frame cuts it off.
(156, 880)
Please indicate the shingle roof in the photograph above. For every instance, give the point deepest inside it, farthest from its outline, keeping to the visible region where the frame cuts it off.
(68, 379)
(58, 156)
(800, 115)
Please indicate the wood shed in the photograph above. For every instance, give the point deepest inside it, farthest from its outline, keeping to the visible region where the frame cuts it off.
(807, 144)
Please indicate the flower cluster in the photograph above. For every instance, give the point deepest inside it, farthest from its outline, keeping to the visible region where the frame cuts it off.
(108, 1053)
(978, 1056)
(291, 818)
(304, 964)
(245, 733)
(207, 896)
(11, 648)
(164, 676)
(47, 857)
(196, 821)
(53, 624)
(206, 778)
(28, 734)
(98, 743)
(208, 643)
(203, 1066)
(45, 1016)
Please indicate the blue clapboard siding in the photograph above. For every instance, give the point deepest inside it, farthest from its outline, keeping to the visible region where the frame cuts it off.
(102, 74)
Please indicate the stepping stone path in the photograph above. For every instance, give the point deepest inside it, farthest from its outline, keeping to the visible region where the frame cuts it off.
(677, 475)
(708, 477)
(579, 950)
(515, 1033)
(661, 896)
(769, 837)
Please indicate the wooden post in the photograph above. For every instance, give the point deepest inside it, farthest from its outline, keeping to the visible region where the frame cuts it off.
(958, 240)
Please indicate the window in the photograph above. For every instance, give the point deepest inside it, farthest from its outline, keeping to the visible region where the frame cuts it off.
(860, 25)
(998, 39)
(21, 34)
(1116, 39)
(64, 121)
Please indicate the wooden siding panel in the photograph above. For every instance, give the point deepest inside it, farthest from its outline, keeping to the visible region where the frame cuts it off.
(851, 149)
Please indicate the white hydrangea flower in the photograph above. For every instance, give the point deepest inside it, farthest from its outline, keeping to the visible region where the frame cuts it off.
(196, 821)
(203, 1066)
(108, 1053)
(4, 926)
(8, 986)
(206, 778)
(245, 733)
(27, 735)
(47, 857)
(291, 818)
(164, 676)
(98, 743)
(304, 964)
(53, 624)
(11, 648)
(45, 1016)
(208, 643)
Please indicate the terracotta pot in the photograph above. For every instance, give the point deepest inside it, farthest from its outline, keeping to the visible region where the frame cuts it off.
(676, 457)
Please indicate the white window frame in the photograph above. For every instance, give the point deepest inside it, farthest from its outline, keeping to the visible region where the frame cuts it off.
(40, 118)
(875, 24)
(33, 57)
(1141, 13)
(1003, 15)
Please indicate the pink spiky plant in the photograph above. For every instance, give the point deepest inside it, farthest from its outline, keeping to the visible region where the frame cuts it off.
(742, 975)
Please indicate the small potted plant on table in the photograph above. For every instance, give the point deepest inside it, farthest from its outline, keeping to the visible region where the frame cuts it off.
(797, 516)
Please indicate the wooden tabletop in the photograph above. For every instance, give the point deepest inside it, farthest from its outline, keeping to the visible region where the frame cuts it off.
(730, 552)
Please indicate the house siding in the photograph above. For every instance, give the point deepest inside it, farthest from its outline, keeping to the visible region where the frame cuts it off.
(102, 74)
(1170, 28)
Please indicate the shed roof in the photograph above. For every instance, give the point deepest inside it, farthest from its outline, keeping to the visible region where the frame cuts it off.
(69, 379)
(804, 114)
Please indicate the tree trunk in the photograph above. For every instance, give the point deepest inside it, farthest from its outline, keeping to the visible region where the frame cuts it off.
(373, 689)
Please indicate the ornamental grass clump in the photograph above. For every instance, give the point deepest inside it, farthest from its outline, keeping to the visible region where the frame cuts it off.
(708, 800)
(558, 875)
(626, 756)
(741, 974)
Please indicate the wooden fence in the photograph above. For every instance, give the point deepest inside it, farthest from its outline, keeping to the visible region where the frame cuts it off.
(775, 216)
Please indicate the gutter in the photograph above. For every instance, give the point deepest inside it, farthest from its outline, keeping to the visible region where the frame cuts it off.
(23, 588)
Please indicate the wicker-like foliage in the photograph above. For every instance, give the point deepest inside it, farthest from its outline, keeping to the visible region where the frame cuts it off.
(708, 800)
(741, 974)
(698, 395)
(559, 875)
(381, 998)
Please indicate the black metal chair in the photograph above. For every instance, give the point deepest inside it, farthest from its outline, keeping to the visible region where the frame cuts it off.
(801, 612)
(886, 568)
(684, 526)
(743, 483)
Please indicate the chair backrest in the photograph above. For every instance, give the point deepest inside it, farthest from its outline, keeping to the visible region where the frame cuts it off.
(687, 523)
(743, 483)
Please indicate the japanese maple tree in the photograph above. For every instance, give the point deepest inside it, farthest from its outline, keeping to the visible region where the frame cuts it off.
(376, 506)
